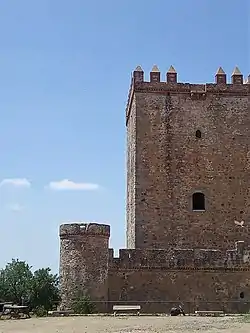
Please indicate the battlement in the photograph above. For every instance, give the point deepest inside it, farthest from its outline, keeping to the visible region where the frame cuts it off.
(72, 230)
(181, 258)
(172, 76)
(171, 86)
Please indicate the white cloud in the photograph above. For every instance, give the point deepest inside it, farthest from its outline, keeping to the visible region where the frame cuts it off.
(16, 207)
(17, 182)
(65, 184)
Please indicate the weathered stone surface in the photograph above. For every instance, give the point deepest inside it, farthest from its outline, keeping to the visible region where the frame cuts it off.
(83, 262)
(131, 178)
(204, 290)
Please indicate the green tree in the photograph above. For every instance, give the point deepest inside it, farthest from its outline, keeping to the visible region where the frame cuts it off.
(38, 290)
(45, 291)
(15, 282)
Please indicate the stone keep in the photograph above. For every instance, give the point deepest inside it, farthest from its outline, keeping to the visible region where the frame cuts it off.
(188, 207)
(188, 165)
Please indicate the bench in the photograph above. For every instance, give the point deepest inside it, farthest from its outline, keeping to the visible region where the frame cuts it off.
(3, 304)
(58, 313)
(209, 313)
(15, 311)
(127, 308)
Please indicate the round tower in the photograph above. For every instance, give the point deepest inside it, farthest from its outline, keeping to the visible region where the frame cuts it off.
(84, 252)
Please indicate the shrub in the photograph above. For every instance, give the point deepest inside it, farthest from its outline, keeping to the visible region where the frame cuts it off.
(40, 311)
(83, 305)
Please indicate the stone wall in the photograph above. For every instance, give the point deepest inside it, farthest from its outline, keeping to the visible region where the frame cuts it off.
(200, 278)
(156, 279)
(158, 289)
(172, 164)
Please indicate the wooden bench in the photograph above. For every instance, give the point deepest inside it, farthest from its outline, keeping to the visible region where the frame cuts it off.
(15, 311)
(126, 308)
(209, 313)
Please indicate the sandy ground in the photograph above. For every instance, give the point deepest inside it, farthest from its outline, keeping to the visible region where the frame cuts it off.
(125, 325)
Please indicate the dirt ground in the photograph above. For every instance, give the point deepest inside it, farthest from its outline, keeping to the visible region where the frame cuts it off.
(141, 324)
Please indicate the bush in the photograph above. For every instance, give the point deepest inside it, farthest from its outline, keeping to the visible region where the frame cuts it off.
(83, 305)
(40, 311)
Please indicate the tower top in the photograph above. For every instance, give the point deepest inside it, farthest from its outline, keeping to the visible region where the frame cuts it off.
(220, 71)
(220, 76)
(236, 71)
(155, 69)
(172, 70)
(138, 69)
(237, 78)
(75, 229)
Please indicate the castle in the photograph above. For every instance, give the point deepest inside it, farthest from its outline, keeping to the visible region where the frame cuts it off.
(188, 205)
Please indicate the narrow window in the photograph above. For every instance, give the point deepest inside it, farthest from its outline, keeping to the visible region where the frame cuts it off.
(198, 134)
(242, 295)
(198, 201)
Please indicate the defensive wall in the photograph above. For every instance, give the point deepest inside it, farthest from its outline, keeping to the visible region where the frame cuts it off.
(200, 278)
(206, 278)
(181, 258)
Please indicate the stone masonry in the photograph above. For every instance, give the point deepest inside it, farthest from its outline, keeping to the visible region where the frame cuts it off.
(167, 164)
(84, 259)
(188, 207)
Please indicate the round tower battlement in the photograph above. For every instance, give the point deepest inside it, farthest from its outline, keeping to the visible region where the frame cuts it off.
(70, 230)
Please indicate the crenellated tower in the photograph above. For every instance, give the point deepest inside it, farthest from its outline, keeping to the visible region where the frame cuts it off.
(188, 161)
(83, 262)
(188, 207)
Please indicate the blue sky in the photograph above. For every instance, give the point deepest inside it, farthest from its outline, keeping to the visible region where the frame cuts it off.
(65, 70)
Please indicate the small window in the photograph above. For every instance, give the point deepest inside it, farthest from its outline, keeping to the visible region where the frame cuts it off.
(198, 201)
(198, 134)
(242, 295)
